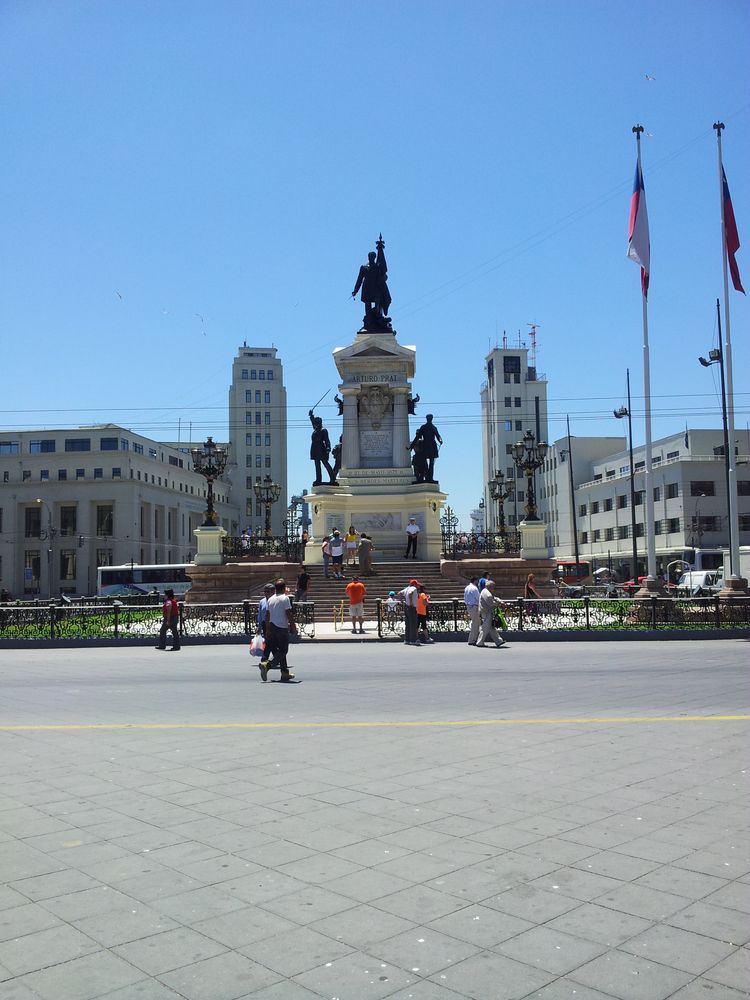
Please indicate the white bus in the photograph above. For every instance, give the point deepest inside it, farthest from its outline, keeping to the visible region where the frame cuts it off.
(131, 580)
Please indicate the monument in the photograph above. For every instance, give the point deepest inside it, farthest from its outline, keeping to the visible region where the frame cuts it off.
(383, 475)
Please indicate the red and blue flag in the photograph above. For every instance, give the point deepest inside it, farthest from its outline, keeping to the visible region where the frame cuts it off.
(731, 236)
(639, 244)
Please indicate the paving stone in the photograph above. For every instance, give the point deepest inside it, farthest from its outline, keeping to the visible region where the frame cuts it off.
(573, 882)
(630, 978)
(225, 977)
(170, 950)
(717, 922)
(735, 896)
(729, 864)
(423, 950)
(242, 927)
(419, 903)
(146, 989)
(83, 979)
(532, 904)
(704, 989)
(678, 948)
(357, 975)
(295, 951)
(44, 948)
(362, 926)
(286, 990)
(87, 903)
(490, 975)
(55, 884)
(308, 904)
(600, 924)
(692, 885)
(550, 950)
(733, 971)
(480, 925)
(10, 898)
(26, 919)
(641, 901)
(199, 904)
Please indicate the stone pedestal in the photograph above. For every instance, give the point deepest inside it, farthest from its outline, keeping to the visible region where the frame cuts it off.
(532, 540)
(209, 546)
(734, 586)
(376, 490)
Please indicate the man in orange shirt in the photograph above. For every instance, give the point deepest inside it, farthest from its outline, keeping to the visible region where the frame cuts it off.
(355, 591)
(423, 599)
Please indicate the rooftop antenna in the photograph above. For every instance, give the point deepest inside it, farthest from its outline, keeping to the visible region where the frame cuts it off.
(532, 338)
(505, 340)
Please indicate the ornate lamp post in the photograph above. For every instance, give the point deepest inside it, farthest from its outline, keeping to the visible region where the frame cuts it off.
(267, 493)
(210, 461)
(529, 455)
(499, 491)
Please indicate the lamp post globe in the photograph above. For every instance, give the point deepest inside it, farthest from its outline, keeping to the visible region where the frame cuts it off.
(267, 493)
(529, 455)
(210, 462)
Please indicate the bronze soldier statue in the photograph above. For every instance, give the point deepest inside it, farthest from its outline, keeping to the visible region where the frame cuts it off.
(320, 449)
(430, 436)
(373, 280)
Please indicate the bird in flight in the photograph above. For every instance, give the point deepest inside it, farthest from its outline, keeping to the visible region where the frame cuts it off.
(650, 77)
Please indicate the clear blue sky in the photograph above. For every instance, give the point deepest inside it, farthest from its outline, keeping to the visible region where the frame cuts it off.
(235, 161)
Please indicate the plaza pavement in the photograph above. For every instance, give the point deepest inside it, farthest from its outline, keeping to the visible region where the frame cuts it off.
(436, 823)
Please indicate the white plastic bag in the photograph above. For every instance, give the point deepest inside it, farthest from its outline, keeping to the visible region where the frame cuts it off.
(257, 645)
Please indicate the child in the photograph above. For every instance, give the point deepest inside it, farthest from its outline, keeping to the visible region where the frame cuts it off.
(423, 599)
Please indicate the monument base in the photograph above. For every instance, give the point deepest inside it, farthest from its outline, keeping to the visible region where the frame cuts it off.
(533, 540)
(209, 541)
(380, 503)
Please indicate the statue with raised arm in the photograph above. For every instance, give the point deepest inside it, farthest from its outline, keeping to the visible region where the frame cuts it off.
(320, 449)
(373, 282)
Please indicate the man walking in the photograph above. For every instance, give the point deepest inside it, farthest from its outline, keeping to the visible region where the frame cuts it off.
(356, 591)
(409, 596)
(471, 600)
(412, 531)
(170, 620)
(279, 623)
(487, 602)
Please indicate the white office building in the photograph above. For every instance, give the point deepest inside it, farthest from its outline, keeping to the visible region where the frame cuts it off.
(513, 400)
(690, 500)
(74, 500)
(257, 435)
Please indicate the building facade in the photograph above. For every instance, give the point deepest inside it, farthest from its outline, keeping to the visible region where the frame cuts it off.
(257, 435)
(513, 400)
(690, 501)
(74, 500)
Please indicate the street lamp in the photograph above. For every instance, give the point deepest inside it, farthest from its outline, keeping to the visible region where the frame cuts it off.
(210, 462)
(267, 493)
(715, 357)
(50, 537)
(569, 453)
(499, 491)
(626, 411)
(529, 455)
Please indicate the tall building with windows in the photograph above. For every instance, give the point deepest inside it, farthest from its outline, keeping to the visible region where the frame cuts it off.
(257, 434)
(76, 499)
(513, 400)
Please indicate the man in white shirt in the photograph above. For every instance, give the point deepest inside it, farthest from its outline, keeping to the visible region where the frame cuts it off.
(487, 602)
(279, 623)
(471, 600)
(412, 531)
(409, 595)
(337, 555)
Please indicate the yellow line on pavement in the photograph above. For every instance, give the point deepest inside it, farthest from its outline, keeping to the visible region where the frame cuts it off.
(584, 721)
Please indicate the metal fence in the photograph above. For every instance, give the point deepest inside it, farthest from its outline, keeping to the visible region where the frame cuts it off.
(131, 621)
(261, 547)
(470, 544)
(585, 615)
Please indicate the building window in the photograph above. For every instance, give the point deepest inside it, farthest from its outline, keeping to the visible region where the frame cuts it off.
(80, 473)
(258, 509)
(116, 473)
(137, 448)
(104, 557)
(8, 447)
(262, 375)
(268, 461)
(595, 507)
(657, 527)
(582, 510)
(31, 565)
(509, 425)
(67, 564)
(248, 482)
(609, 534)
(743, 487)
(43, 475)
(673, 524)
(639, 466)
(608, 503)
(108, 444)
(78, 444)
(610, 473)
(623, 531)
(249, 440)
(639, 530)
(517, 402)
(622, 501)
(33, 522)
(244, 373)
(267, 418)
(267, 439)
(707, 523)
(657, 492)
(702, 488)
(41, 447)
(267, 396)
(248, 417)
(257, 395)
(508, 401)
(673, 491)
(98, 473)
(744, 522)
(62, 474)
(68, 520)
(509, 449)
(248, 461)
(638, 498)
(257, 419)
(269, 373)
(26, 475)
(152, 452)
(253, 375)
(584, 537)
(675, 454)
(105, 520)
(597, 535)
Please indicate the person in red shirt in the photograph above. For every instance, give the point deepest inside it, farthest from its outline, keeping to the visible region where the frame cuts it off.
(355, 591)
(170, 619)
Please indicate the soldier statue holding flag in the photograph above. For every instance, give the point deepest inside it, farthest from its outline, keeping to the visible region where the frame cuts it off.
(373, 280)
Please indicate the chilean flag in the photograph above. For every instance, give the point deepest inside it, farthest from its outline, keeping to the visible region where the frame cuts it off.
(731, 235)
(639, 247)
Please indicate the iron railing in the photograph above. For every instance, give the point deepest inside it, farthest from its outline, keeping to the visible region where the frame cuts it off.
(470, 544)
(255, 548)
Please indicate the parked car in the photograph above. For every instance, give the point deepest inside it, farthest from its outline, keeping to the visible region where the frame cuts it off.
(701, 583)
